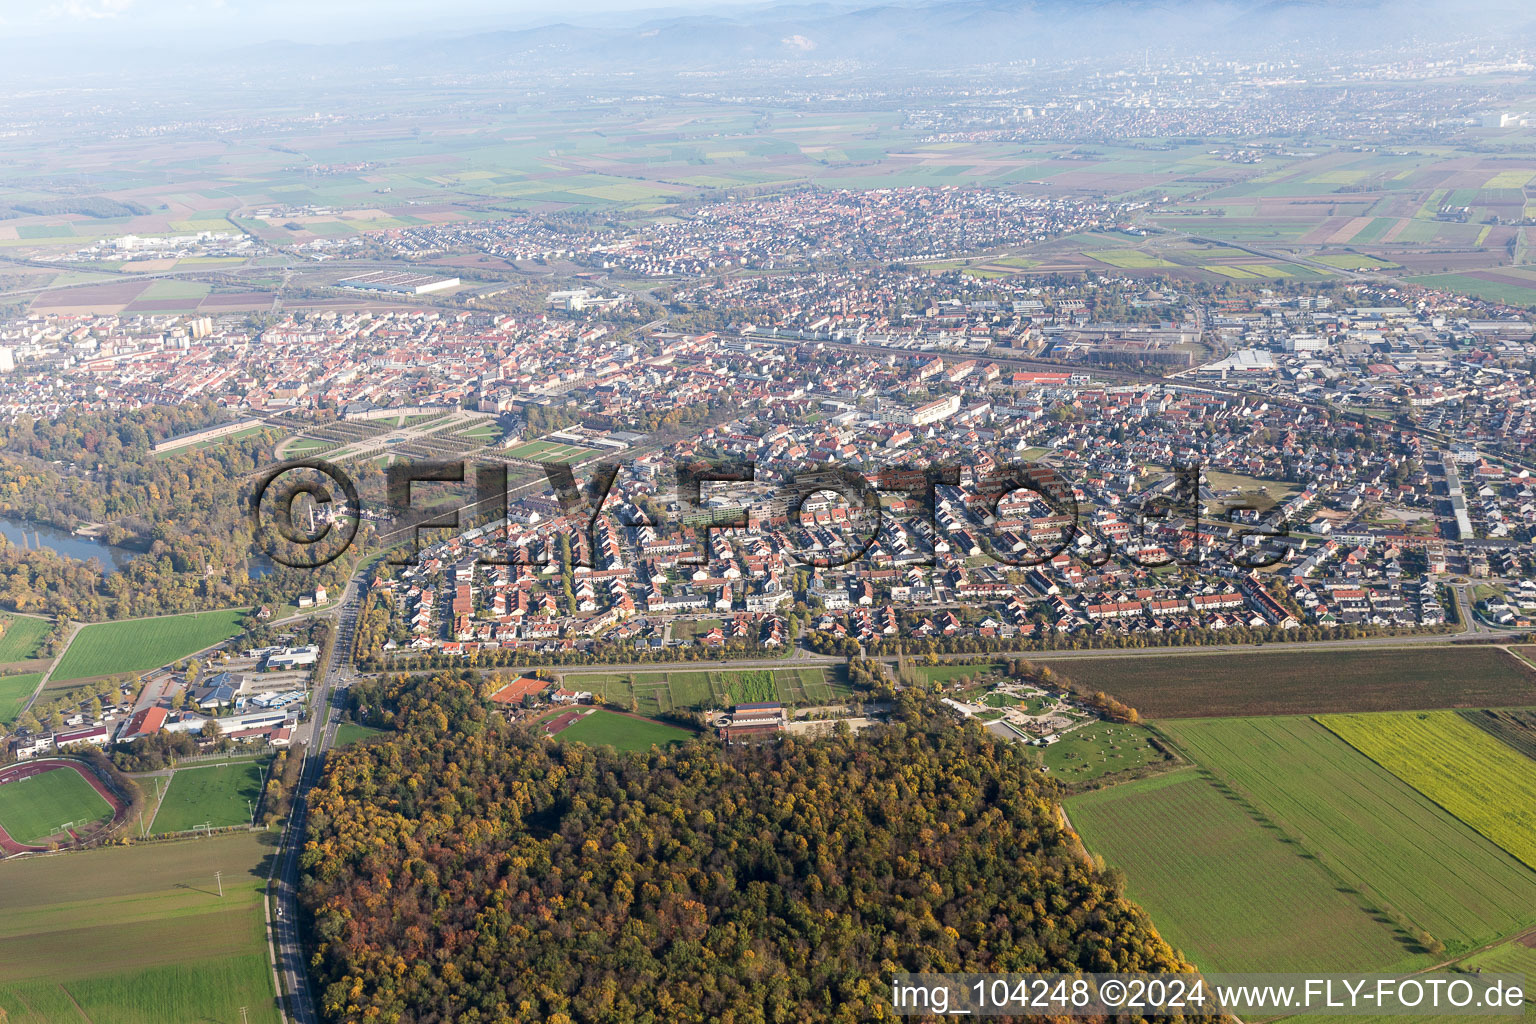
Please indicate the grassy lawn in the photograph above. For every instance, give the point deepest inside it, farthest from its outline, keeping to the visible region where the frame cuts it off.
(216, 794)
(1457, 765)
(136, 645)
(350, 732)
(138, 935)
(656, 692)
(21, 637)
(1277, 681)
(1370, 829)
(949, 673)
(623, 732)
(1096, 750)
(14, 691)
(1227, 891)
(32, 809)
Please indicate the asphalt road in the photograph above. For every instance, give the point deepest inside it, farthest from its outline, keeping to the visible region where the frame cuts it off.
(319, 735)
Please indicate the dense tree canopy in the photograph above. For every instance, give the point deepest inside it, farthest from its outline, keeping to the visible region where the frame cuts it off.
(468, 870)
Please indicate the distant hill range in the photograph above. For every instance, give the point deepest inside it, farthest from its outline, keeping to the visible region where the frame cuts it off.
(956, 33)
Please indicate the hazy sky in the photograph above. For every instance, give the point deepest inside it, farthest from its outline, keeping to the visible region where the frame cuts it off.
(255, 21)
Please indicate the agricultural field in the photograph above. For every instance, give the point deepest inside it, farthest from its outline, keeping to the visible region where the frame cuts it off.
(1192, 854)
(138, 935)
(14, 691)
(1352, 261)
(216, 795)
(136, 645)
(1093, 751)
(1278, 681)
(1515, 957)
(1515, 729)
(1489, 286)
(1457, 765)
(1416, 864)
(675, 689)
(21, 637)
(33, 809)
(1129, 258)
(623, 732)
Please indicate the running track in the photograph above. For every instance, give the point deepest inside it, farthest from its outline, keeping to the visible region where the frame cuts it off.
(28, 769)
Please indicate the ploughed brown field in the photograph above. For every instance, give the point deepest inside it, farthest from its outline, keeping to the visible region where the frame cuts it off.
(1277, 681)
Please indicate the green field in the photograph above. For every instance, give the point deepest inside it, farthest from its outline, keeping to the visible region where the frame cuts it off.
(1092, 751)
(1494, 291)
(14, 691)
(1128, 258)
(1518, 957)
(215, 795)
(623, 732)
(1280, 681)
(1347, 261)
(1371, 831)
(1224, 889)
(483, 432)
(351, 732)
(949, 672)
(1515, 729)
(138, 935)
(136, 645)
(549, 451)
(672, 690)
(32, 809)
(1458, 766)
(307, 445)
(21, 637)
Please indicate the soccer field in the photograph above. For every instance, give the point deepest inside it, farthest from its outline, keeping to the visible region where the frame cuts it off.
(138, 935)
(33, 808)
(215, 795)
(137, 645)
(623, 732)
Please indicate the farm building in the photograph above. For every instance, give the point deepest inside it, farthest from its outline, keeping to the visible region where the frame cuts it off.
(749, 722)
